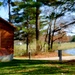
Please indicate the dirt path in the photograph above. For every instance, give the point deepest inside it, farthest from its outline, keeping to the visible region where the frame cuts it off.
(48, 56)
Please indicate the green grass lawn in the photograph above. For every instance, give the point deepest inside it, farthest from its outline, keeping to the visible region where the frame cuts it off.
(37, 67)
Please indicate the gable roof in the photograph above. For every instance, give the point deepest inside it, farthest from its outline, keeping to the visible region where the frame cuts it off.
(8, 23)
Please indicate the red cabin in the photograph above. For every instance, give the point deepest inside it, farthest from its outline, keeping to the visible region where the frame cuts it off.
(6, 40)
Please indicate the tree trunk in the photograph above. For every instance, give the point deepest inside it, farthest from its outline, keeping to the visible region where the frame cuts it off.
(49, 37)
(27, 41)
(37, 23)
(37, 27)
(53, 35)
(9, 10)
(49, 41)
(52, 40)
(27, 44)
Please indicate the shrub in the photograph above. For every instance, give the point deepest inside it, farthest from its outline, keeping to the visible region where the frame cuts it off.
(19, 50)
(73, 39)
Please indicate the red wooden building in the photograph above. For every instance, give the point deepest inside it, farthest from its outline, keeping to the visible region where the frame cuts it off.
(6, 40)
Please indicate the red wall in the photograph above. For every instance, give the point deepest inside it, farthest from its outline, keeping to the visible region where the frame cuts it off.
(7, 39)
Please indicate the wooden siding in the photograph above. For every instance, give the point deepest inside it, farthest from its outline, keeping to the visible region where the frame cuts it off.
(6, 39)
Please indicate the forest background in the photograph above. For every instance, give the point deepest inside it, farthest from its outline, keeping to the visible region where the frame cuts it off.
(42, 25)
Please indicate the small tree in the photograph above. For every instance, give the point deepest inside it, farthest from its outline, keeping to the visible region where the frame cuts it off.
(23, 15)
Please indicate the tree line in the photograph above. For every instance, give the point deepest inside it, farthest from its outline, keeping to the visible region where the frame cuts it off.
(31, 20)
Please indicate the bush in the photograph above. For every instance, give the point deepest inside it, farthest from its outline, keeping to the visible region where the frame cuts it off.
(19, 50)
(73, 39)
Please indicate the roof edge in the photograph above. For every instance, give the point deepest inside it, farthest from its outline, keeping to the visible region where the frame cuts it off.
(8, 23)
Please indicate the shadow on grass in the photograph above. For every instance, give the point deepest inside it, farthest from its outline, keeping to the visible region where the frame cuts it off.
(32, 67)
(17, 62)
(51, 70)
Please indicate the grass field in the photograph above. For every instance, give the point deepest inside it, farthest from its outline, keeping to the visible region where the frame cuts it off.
(20, 50)
(64, 46)
(37, 67)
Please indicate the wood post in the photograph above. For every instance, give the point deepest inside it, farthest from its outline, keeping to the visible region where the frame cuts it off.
(60, 55)
(29, 55)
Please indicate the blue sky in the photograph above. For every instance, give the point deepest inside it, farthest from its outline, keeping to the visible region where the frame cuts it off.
(3, 12)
